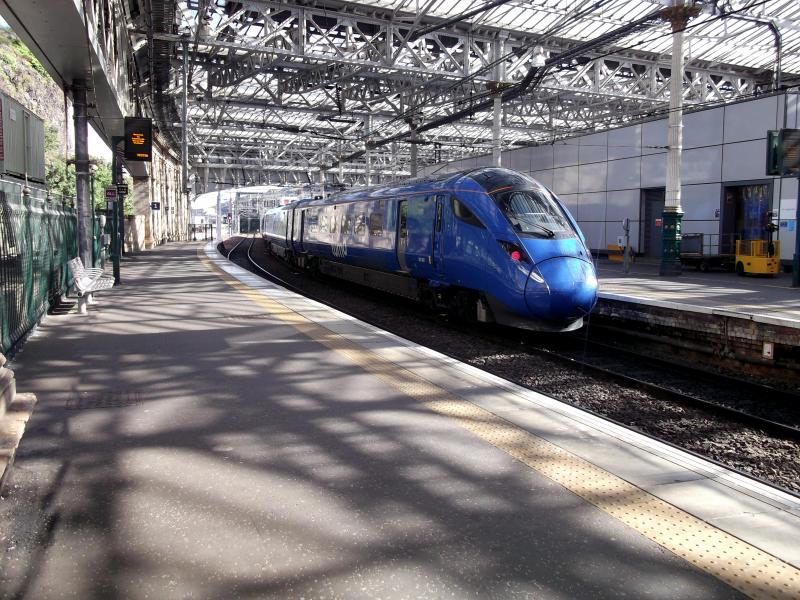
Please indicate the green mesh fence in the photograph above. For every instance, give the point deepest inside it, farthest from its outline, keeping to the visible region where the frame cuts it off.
(37, 238)
(98, 252)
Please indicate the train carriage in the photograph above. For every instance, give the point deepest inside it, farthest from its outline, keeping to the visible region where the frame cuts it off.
(490, 244)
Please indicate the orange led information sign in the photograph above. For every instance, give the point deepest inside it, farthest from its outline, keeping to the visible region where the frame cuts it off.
(138, 139)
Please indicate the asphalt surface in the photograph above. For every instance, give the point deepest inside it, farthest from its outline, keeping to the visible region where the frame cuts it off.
(189, 445)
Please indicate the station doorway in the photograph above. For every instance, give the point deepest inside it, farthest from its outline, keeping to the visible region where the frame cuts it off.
(652, 210)
(743, 213)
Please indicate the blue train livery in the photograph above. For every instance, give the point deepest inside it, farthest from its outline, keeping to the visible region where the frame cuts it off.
(489, 244)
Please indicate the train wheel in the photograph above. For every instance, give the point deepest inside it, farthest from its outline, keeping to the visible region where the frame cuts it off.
(463, 306)
(740, 269)
(427, 297)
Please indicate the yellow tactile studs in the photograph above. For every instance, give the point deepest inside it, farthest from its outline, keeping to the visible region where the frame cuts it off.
(742, 566)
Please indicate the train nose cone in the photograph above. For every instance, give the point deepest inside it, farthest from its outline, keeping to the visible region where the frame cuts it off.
(569, 290)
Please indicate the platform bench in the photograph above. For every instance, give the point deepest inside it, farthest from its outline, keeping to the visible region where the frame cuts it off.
(87, 281)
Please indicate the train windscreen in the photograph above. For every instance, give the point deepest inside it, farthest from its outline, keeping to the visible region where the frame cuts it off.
(534, 212)
(529, 206)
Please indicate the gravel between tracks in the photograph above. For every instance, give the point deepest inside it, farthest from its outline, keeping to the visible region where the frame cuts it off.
(744, 448)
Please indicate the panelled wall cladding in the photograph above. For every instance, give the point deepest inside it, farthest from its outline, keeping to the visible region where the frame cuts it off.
(606, 177)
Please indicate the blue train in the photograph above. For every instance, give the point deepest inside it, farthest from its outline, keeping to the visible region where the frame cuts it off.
(489, 244)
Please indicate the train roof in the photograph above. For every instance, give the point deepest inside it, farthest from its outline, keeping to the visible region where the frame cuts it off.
(486, 177)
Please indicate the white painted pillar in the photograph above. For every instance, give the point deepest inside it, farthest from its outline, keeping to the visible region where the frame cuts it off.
(678, 16)
(219, 215)
(675, 131)
(496, 130)
(368, 152)
(394, 162)
(413, 151)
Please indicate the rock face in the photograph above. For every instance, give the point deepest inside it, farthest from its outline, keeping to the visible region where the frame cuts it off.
(23, 78)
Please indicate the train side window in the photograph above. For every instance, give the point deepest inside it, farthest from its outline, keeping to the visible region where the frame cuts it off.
(439, 211)
(376, 224)
(361, 224)
(463, 213)
(404, 219)
(312, 221)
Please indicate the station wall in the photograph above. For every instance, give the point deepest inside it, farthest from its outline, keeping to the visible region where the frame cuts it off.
(170, 222)
(601, 176)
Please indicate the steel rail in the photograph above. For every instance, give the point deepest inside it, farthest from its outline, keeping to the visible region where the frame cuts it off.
(661, 393)
(672, 395)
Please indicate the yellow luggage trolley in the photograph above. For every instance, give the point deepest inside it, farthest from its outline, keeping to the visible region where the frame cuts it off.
(760, 257)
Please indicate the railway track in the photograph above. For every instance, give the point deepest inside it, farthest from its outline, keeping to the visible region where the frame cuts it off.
(601, 361)
(612, 368)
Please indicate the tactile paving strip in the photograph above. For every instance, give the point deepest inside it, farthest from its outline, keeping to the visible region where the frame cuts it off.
(741, 565)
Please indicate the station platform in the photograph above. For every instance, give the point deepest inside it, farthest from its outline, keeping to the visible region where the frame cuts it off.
(762, 299)
(202, 433)
(748, 325)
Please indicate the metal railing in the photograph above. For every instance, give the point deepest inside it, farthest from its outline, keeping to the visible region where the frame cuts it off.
(695, 236)
(37, 238)
(758, 248)
(708, 244)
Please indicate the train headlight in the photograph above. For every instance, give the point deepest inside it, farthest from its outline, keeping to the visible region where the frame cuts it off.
(515, 253)
(536, 277)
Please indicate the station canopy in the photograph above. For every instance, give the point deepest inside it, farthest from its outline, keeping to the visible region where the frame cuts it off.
(287, 91)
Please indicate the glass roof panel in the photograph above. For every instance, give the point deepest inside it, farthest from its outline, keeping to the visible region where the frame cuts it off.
(585, 20)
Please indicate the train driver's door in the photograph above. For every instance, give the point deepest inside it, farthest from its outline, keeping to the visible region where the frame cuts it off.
(417, 218)
(297, 231)
(402, 234)
(437, 253)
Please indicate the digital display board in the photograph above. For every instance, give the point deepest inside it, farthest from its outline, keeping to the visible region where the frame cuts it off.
(790, 148)
(138, 139)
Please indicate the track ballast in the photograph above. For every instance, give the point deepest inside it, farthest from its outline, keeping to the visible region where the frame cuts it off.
(742, 425)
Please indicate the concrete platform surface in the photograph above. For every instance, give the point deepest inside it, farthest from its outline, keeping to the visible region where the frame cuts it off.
(768, 299)
(204, 434)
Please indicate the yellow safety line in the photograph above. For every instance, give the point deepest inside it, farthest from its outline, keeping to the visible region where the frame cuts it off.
(739, 564)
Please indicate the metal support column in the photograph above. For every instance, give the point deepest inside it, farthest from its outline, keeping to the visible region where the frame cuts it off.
(796, 261)
(497, 86)
(235, 220)
(85, 225)
(219, 215)
(413, 150)
(185, 124)
(496, 129)
(394, 162)
(679, 16)
(367, 153)
(118, 213)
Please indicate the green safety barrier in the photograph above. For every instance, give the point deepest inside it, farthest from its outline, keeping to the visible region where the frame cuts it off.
(37, 238)
(98, 251)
